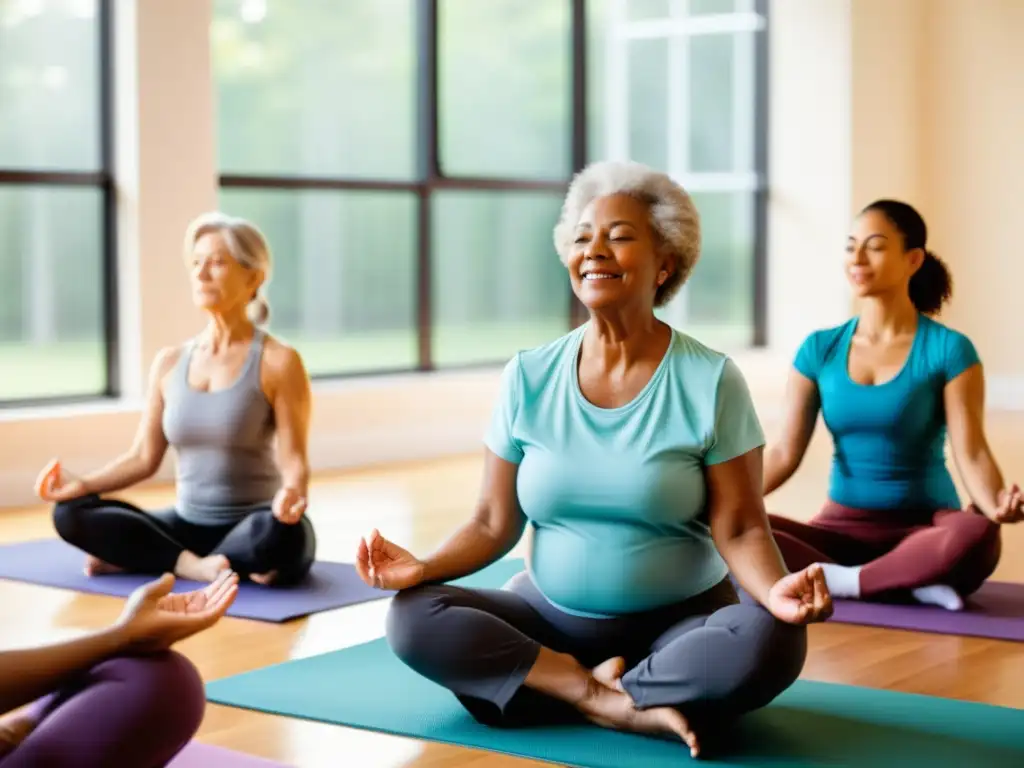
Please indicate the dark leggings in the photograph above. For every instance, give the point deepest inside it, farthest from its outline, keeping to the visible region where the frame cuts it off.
(125, 536)
(131, 711)
(899, 551)
(712, 657)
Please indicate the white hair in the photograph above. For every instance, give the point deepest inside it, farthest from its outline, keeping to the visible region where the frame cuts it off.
(247, 246)
(673, 216)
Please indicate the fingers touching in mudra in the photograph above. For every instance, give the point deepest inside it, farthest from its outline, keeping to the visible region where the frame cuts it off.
(1011, 506)
(289, 505)
(55, 485)
(798, 598)
(802, 597)
(385, 565)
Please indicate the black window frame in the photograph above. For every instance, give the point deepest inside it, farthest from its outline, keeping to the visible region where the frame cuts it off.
(431, 178)
(103, 180)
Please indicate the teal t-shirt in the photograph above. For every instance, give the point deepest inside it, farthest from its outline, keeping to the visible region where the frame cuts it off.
(889, 438)
(616, 496)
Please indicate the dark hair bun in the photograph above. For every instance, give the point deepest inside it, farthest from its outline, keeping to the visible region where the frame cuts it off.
(932, 284)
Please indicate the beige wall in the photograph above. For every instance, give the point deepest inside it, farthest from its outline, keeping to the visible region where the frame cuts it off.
(869, 98)
(810, 164)
(974, 141)
(888, 87)
(914, 99)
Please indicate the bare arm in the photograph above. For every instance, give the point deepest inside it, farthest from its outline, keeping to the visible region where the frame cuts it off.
(799, 417)
(27, 674)
(143, 459)
(288, 391)
(494, 529)
(964, 399)
(151, 620)
(739, 524)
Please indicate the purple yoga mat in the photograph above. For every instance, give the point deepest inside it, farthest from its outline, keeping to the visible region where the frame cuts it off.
(54, 563)
(995, 611)
(197, 755)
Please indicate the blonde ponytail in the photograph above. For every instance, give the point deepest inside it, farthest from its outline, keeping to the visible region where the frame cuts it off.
(258, 310)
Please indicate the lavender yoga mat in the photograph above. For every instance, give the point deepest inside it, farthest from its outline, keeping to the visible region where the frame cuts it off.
(54, 563)
(197, 755)
(995, 611)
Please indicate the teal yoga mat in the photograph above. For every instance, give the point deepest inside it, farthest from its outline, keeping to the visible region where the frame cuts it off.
(811, 724)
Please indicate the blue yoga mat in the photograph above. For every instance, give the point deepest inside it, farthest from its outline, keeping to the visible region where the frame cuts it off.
(54, 563)
(811, 724)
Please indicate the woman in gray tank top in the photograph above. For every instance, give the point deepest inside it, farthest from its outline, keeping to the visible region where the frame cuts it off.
(220, 400)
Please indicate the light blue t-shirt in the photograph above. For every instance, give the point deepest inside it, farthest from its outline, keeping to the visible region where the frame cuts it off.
(617, 496)
(890, 437)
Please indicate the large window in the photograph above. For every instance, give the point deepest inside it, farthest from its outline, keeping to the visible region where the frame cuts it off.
(57, 324)
(680, 85)
(407, 160)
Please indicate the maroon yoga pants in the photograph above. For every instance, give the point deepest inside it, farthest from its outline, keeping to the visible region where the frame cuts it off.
(899, 550)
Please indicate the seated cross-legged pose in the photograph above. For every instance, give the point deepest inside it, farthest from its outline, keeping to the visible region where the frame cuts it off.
(222, 400)
(889, 383)
(634, 453)
(114, 697)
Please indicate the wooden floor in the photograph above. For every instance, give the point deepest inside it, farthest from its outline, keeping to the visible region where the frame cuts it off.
(417, 505)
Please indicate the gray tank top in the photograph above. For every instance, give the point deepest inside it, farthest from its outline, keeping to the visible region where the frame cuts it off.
(223, 441)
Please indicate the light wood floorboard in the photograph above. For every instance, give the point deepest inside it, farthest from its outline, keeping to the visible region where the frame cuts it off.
(417, 505)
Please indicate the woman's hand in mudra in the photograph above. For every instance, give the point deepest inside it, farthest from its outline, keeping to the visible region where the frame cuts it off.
(1011, 506)
(288, 505)
(801, 597)
(54, 487)
(385, 565)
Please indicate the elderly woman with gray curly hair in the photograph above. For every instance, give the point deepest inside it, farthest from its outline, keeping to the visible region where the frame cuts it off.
(633, 451)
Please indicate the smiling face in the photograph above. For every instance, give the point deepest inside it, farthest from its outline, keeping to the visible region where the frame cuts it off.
(614, 259)
(219, 282)
(876, 262)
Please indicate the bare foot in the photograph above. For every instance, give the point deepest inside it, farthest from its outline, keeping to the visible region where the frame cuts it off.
(266, 579)
(610, 707)
(610, 673)
(96, 567)
(14, 729)
(194, 568)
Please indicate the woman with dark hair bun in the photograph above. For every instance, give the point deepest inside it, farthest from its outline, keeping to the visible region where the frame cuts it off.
(889, 383)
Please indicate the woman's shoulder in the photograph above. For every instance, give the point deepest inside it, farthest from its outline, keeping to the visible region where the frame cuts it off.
(167, 357)
(820, 346)
(827, 337)
(717, 397)
(532, 369)
(164, 362)
(281, 358)
(939, 332)
(947, 348)
(687, 348)
(699, 366)
(539, 361)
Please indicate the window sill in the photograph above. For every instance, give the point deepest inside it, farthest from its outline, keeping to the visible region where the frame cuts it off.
(359, 383)
(321, 387)
(100, 406)
(760, 365)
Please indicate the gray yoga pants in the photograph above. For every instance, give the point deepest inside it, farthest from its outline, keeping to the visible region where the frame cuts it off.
(714, 657)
